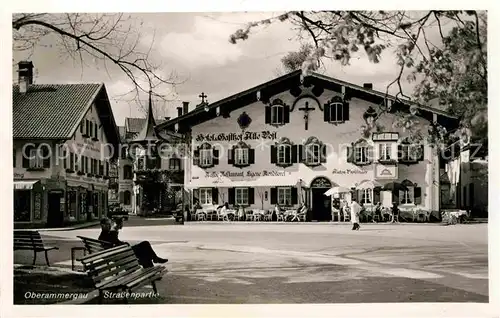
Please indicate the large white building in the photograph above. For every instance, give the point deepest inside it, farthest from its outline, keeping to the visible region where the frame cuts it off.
(293, 138)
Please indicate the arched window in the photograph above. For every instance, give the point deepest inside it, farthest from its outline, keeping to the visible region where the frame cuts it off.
(127, 172)
(126, 197)
(278, 113)
(336, 111)
(361, 153)
(314, 152)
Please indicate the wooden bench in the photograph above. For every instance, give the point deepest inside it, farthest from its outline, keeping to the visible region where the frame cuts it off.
(117, 269)
(93, 245)
(31, 240)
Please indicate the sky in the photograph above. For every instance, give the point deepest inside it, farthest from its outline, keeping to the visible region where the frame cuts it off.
(196, 47)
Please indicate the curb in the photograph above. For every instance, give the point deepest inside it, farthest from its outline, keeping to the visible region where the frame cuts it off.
(70, 228)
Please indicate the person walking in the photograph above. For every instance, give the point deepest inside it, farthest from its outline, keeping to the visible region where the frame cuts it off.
(355, 210)
(378, 211)
(395, 212)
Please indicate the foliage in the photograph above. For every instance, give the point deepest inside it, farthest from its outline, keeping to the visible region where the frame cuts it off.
(96, 40)
(451, 69)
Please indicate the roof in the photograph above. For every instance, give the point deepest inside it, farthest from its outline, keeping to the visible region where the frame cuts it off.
(148, 133)
(50, 111)
(54, 111)
(289, 81)
(134, 125)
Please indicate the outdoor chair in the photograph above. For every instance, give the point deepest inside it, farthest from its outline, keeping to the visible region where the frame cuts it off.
(268, 216)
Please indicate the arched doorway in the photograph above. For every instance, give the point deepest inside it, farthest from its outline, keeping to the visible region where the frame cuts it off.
(321, 205)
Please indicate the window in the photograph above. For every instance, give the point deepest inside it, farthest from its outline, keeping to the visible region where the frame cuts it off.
(205, 157)
(284, 154)
(127, 172)
(206, 196)
(174, 164)
(361, 154)
(335, 112)
(277, 114)
(385, 151)
(407, 196)
(312, 154)
(285, 196)
(127, 197)
(406, 153)
(36, 160)
(241, 197)
(241, 156)
(366, 196)
(71, 161)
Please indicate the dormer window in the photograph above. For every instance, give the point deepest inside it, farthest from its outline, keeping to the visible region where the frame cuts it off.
(284, 153)
(206, 156)
(278, 113)
(314, 152)
(336, 111)
(241, 155)
(361, 153)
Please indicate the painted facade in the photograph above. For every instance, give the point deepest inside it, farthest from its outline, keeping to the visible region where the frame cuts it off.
(255, 179)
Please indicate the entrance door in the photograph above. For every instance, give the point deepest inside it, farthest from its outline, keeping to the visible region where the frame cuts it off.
(321, 205)
(55, 216)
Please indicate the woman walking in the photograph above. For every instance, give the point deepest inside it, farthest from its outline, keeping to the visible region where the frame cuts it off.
(355, 210)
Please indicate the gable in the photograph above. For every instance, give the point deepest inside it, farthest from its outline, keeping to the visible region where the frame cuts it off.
(292, 83)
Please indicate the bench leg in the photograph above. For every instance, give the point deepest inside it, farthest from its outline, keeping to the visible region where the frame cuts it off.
(34, 257)
(153, 283)
(99, 300)
(47, 259)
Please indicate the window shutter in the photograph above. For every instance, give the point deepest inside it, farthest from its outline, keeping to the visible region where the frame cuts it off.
(421, 153)
(322, 153)
(122, 195)
(230, 155)
(268, 114)
(81, 126)
(26, 155)
(231, 195)
(158, 162)
(274, 195)
(376, 195)
(251, 196)
(294, 195)
(215, 159)
(251, 156)
(274, 154)
(294, 156)
(360, 195)
(215, 196)
(196, 195)
(326, 113)
(286, 114)
(300, 150)
(417, 193)
(350, 154)
(196, 157)
(95, 130)
(288, 154)
(354, 194)
(400, 196)
(106, 173)
(345, 111)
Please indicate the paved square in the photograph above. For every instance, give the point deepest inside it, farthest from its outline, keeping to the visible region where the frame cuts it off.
(308, 263)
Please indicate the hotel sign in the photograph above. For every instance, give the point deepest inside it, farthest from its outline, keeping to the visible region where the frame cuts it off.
(250, 174)
(247, 135)
(349, 171)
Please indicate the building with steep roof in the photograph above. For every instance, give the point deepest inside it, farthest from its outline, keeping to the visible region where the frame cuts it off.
(64, 138)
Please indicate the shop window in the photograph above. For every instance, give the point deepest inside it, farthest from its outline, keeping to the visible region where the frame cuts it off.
(241, 197)
(127, 196)
(205, 196)
(22, 205)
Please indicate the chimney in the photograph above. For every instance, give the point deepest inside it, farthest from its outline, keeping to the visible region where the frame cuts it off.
(25, 76)
(185, 107)
(368, 85)
(179, 111)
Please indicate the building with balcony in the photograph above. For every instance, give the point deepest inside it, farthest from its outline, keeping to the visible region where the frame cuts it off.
(290, 140)
(63, 138)
(150, 167)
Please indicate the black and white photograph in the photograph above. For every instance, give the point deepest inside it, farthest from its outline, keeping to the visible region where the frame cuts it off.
(249, 158)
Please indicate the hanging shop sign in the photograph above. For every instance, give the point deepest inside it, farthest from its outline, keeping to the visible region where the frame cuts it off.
(247, 135)
(250, 174)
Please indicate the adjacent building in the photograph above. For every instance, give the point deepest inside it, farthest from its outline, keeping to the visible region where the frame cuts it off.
(64, 138)
(150, 166)
(290, 140)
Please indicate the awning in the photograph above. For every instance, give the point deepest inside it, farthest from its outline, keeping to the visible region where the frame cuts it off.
(368, 184)
(337, 190)
(25, 184)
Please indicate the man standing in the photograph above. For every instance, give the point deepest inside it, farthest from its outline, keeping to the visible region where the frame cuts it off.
(355, 210)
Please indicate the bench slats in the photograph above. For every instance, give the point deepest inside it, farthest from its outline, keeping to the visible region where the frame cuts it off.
(101, 263)
(134, 275)
(31, 240)
(112, 269)
(102, 254)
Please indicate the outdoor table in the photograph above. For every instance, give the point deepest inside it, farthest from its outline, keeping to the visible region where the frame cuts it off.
(291, 213)
(231, 212)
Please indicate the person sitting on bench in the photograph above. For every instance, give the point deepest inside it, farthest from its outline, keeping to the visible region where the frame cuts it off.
(143, 251)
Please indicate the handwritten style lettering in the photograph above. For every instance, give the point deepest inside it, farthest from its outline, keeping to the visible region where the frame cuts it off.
(247, 135)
